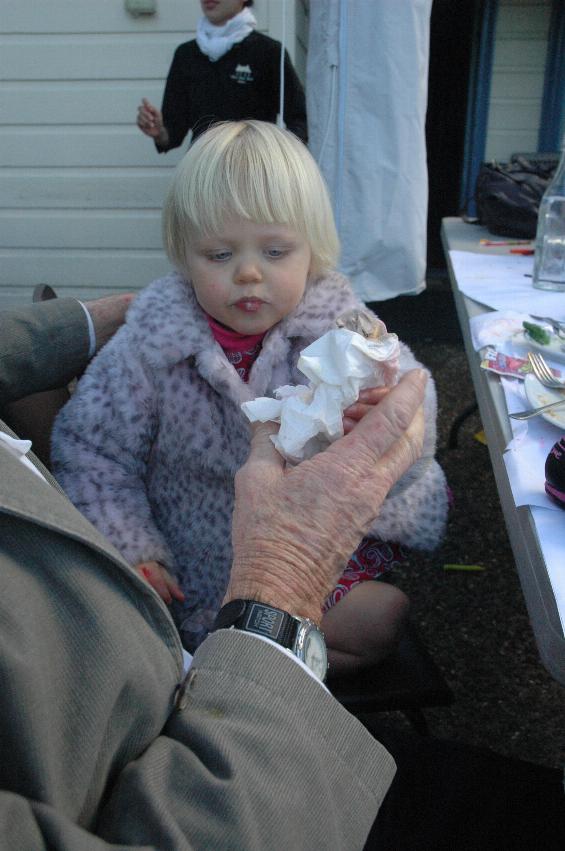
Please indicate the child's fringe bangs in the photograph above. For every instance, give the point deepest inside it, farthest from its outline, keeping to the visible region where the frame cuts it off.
(239, 183)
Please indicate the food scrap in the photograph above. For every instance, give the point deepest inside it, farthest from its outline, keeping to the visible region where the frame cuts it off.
(537, 333)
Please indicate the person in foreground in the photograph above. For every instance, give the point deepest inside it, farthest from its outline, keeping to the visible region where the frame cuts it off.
(106, 744)
(98, 740)
(148, 446)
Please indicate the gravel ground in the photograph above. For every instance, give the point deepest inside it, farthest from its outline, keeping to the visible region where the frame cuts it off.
(475, 624)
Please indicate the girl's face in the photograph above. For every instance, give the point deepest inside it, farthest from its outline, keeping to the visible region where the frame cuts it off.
(251, 275)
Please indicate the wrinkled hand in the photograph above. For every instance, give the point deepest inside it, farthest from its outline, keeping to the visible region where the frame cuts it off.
(150, 120)
(367, 399)
(294, 527)
(107, 314)
(161, 580)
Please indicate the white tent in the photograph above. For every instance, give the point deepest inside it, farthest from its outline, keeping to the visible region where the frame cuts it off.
(367, 86)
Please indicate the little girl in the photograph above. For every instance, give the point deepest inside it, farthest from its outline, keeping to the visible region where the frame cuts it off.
(148, 446)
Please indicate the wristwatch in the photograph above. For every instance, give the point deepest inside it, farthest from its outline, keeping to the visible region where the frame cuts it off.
(299, 635)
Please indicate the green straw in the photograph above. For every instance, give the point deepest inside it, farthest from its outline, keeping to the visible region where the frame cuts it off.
(469, 567)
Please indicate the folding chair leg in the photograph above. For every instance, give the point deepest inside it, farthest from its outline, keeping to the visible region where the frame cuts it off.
(457, 423)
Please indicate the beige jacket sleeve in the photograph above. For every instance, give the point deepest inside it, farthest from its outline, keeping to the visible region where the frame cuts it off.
(269, 760)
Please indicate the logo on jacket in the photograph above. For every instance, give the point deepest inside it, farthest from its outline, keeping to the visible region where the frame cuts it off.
(242, 74)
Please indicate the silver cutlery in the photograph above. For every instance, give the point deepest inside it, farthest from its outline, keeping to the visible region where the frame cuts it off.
(543, 373)
(558, 327)
(534, 412)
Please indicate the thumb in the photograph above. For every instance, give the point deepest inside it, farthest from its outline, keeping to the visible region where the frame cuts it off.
(262, 448)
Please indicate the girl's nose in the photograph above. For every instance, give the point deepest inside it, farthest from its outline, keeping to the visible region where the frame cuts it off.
(248, 272)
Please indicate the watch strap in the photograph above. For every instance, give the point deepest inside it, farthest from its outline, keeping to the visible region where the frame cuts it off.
(260, 619)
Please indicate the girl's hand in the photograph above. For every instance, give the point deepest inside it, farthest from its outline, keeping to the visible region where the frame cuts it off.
(367, 399)
(161, 580)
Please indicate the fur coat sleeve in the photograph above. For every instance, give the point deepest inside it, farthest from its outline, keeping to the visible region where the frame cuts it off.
(415, 511)
(100, 446)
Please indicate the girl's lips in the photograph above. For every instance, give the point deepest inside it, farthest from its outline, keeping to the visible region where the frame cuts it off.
(249, 305)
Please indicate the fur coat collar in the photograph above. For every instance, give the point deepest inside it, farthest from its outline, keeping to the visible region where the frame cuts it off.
(167, 326)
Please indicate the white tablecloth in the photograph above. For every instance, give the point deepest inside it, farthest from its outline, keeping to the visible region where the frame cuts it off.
(532, 439)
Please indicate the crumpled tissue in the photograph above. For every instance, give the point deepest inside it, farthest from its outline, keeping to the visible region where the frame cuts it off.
(338, 365)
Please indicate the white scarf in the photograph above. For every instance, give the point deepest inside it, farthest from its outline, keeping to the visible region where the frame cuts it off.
(215, 41)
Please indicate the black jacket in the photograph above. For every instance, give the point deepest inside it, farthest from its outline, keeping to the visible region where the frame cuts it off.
(244, 83)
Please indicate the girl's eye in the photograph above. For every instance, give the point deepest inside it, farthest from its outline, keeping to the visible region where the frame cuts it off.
(219, 256)
(274, 253)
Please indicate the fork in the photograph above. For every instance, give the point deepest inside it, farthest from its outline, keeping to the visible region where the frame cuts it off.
(543, 373)
(558, 327)
(534, 412)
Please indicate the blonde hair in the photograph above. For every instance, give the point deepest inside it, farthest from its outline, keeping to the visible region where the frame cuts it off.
(254, 170)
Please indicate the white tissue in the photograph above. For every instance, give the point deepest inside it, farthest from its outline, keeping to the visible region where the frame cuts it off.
(338, 365)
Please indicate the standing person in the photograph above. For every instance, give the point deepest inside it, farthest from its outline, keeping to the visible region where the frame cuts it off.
(148, 446)
(227, 72)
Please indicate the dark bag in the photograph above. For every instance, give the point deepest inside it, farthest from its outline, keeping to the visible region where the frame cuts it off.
(508, 195)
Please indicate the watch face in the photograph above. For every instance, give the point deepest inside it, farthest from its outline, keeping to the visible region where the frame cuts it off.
(314, 653)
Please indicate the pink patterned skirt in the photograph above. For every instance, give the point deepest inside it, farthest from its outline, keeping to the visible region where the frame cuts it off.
(370, 560)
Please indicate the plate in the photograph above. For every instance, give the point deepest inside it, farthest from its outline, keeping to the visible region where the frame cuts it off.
(555, 349)
(539, 395)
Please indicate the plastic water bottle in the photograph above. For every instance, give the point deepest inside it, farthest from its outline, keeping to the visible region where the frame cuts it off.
(549, 261)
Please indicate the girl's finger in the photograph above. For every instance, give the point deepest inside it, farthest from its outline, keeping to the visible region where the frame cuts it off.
(160, 587)
(357, 411)
(154, 574)
(175, 591)
(372, 395)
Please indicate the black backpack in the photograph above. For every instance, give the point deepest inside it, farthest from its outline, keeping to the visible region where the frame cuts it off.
(508, 195)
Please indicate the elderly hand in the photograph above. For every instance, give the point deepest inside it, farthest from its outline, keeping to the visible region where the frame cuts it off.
(107, 314)
(294, 527)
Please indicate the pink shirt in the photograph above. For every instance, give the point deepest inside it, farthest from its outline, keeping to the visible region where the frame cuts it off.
(240, 349)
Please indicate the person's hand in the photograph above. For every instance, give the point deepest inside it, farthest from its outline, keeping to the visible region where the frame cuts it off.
(108, 314)
(295, 527)
(367, 399)
(150, 121)
(161, 580)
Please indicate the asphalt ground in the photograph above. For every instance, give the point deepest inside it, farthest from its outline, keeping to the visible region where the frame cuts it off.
(475, 624)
